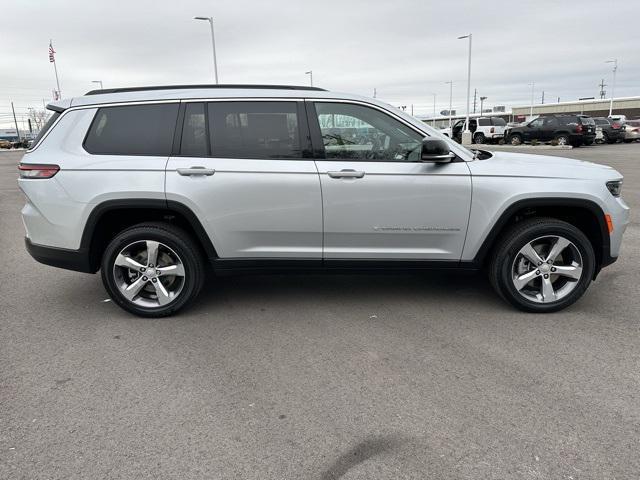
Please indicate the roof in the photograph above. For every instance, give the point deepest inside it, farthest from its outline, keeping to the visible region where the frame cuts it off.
(184, 92)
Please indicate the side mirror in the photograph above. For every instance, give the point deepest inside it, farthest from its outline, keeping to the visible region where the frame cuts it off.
(435, 150)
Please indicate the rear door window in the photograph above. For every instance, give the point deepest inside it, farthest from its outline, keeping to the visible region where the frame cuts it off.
(484, 122)
(498, 122)
(260, 130)
(133, 130)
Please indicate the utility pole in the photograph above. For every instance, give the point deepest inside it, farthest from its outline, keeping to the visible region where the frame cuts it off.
(558, 99)
(542, 97)
(375, 92)
(482, 99)
(16, 122)
(603, 93)
(213, 44)
(412, 109)
(475, 95)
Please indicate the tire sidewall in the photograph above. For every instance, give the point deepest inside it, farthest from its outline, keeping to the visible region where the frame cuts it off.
(189, 261)
(569, 232)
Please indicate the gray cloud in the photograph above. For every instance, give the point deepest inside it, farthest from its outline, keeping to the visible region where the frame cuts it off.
(406, 49)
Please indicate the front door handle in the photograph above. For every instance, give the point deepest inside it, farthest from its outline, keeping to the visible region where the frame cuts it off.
(346, 174)
(191, 171)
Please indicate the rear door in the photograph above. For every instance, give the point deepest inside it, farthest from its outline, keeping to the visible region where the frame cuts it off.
(245, 169)
(380, 201)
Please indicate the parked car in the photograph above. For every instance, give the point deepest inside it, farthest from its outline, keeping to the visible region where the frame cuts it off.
(150, 185)
(632, 131)
(573, 130)
(610, 130)
(5, 143)
(483, 129)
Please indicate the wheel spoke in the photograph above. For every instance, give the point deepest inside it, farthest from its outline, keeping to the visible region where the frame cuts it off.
(548, 293)
(127, 262)
(557, 248)
(529, 252)
(132, 290)
(176, 269)
(521, 281)
(161, 292)
(572, 271)
(152, 252)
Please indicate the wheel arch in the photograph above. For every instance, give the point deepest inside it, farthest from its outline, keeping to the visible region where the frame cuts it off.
(586, 215)
(112, 216)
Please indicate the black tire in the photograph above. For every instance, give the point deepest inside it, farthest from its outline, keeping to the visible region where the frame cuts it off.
(506, 250)
(515, 139)
(479, 138)
(170, 236)
(562, 139)
(605, 138)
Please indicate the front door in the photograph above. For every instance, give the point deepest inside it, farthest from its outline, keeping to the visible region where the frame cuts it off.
(245, 169)
(380, 201)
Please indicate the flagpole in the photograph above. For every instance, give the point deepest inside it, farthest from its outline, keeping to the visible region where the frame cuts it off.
(55, 69)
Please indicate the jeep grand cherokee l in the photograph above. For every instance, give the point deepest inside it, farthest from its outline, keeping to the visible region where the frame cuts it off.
(149, 185)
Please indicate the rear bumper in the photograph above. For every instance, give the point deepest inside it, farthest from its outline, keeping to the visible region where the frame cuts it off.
(77, 260)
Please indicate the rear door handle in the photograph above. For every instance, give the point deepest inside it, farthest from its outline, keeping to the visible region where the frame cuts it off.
(191, 171)
(346, 174)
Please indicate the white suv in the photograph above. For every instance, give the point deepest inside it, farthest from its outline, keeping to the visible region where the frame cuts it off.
(149, 185)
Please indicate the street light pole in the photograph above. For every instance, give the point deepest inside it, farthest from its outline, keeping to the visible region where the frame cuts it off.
(310, 73)
(98, 81)
(450, 82)
(482, 99)
(213, 44)
(533, 84)
(613, 87)
(466, 137)
(434, 111)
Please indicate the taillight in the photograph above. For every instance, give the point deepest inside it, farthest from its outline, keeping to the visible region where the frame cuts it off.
(615, 126)
(37, 171)
(578, 128)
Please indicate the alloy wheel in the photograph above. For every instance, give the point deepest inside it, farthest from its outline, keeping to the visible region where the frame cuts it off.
(149, 273)
(547, 269)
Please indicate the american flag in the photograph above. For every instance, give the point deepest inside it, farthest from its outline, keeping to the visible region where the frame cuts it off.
(51, 53)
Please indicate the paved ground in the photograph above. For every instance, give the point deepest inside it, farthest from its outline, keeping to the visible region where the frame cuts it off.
(319, 377)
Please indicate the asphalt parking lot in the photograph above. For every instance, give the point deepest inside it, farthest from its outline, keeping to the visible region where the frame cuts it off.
(319, 377)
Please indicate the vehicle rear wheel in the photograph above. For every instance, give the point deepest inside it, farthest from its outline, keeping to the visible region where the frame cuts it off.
(152, 269)
(479, 138)
(515, 139)
(562, 139)
(542, 265)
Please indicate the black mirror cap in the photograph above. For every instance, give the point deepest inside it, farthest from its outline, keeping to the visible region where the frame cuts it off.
(435, 150)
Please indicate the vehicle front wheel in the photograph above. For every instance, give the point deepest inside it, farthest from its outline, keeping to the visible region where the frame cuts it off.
(562, 139)
(152, 269)
(542, 265)
(515, 139)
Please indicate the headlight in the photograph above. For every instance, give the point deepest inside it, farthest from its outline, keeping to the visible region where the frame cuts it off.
(615, 187)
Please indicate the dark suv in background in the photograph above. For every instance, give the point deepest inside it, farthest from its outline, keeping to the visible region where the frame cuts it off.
(572, 130)
(612, 130)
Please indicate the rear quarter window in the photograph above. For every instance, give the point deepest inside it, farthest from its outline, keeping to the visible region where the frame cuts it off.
(47, 126)
(498, 122)
(133, 130)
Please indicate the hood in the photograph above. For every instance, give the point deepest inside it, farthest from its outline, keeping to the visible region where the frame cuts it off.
(543, 166)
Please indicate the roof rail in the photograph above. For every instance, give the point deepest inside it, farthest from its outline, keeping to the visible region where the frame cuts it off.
(184, 87)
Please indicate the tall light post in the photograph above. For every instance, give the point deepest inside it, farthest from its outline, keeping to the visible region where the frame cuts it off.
(533, 85)
(450, 83)
(613, 87)
(98, 81)
(310, 73)
(213, 44)
(466, 135)
(482, 99)
(434, 111)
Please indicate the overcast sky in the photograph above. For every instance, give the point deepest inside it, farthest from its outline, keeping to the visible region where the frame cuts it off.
(406, 49)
